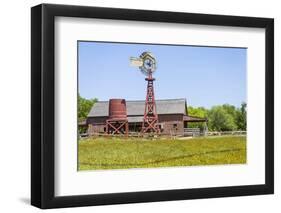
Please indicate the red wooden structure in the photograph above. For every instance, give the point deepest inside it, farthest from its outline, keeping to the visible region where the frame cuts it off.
(117, 123)
(150, 119)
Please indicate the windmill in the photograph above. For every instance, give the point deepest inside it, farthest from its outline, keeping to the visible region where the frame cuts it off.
(147, 65)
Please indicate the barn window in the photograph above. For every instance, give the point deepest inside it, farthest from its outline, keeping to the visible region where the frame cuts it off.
(175, 125)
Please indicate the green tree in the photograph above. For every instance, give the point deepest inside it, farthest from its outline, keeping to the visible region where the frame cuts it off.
(197, 111)
(221, 118)
(200, 112)
(84, 107)
(230, 109)
(241, 118)
(224, 117)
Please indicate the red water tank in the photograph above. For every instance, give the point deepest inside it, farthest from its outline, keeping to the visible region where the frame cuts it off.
(117, 109)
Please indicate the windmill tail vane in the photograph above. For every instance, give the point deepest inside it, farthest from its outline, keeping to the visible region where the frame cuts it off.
(136, 62)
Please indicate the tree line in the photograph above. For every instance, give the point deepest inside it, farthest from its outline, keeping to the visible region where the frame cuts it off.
(224, 117)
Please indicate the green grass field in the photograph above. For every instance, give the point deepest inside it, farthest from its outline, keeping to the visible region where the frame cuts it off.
(120, 153)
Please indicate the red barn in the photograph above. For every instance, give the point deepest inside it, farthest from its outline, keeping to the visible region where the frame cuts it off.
(172, 116)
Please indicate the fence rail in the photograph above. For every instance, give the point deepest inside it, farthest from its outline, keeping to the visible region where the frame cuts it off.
(193, 132)
(227, 133)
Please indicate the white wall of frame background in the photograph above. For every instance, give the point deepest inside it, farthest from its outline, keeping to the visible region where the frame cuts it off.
(15, 105)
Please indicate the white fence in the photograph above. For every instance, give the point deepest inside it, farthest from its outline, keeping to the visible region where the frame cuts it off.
(192, 132)
(195, 132)
(227, 133)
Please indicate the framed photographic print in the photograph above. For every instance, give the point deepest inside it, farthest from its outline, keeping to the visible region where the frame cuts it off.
(139, 106)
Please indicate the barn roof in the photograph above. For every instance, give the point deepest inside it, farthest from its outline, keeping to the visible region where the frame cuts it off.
(164, 106)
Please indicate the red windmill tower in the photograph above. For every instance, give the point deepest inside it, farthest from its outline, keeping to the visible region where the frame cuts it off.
(147, 64)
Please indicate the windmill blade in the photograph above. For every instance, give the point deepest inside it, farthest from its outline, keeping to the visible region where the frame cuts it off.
(136, 62)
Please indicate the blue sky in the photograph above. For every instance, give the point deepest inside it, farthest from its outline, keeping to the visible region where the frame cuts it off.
(205, 76)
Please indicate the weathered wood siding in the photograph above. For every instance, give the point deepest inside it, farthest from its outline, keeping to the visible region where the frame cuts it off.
(96, 125)
(170, 124)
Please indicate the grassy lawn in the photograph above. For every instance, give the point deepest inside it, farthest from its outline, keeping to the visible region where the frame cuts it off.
(120, 153)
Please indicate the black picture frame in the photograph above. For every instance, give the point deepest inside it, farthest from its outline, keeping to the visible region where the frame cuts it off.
(43, 101)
